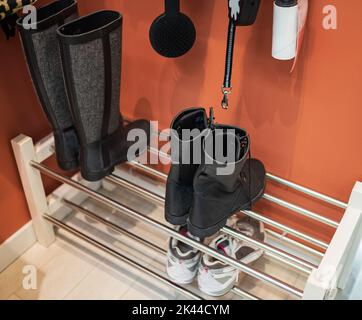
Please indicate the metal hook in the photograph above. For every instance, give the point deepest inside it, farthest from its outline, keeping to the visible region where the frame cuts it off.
(225, 100)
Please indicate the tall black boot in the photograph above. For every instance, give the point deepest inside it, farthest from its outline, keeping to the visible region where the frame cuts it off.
(43, 57)
(91, 57)
(179, 186)
(222, 188)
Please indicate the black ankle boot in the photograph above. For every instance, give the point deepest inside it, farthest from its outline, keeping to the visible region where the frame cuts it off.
(222, 188)
(43, 58)
(91, 58)
(179, 186)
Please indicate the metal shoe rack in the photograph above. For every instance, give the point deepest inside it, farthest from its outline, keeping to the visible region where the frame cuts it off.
(325, 280)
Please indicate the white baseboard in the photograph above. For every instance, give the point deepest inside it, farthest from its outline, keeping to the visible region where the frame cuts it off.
(16, 245)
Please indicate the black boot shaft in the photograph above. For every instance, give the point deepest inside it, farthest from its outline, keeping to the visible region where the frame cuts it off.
(42, 53)
(187, 132)
(91, 49)
(179, 186)
(220, 144)
(220, 187)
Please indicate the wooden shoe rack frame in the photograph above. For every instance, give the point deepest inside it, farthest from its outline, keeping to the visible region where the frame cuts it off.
(325, 279)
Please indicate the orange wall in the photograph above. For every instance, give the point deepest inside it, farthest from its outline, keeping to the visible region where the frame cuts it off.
(19, 114)
(304, 126)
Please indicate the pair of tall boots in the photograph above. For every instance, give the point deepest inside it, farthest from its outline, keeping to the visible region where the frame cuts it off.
(205, 194)
(75, 65)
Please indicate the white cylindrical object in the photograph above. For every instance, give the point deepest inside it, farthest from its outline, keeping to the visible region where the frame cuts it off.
(285, 32)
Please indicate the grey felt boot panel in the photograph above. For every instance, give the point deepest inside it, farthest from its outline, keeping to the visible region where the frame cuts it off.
(48, 58)
(87, 64)
(88, 71)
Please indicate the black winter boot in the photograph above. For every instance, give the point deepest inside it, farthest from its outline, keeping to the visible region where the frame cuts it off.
(43, 58)
(91, 57)
(179, 186)
(222, 188)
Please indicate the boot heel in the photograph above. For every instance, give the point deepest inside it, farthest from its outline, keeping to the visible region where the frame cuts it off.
(176, 220)
(205, 232)
(93, 176)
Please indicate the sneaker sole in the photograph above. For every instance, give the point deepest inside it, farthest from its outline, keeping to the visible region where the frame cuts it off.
(220, 293)
(179, 281)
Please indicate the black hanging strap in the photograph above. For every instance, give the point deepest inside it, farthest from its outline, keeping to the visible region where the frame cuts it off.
(227, 87)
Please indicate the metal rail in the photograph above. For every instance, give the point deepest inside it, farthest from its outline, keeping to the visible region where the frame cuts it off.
(271, 222)
(118, 255)
(307, 191)
(267, 197)
(284, 228)
(153, 246)
(171, 232)
(289, 184)
(301, 211)
(283, 237)
(275, 253)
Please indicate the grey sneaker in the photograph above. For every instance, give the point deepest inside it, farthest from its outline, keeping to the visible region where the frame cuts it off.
(216, 278)
(182, 259)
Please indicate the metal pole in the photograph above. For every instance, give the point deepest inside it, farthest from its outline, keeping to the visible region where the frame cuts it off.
(284, 182)
(297, 262)
(301, 211)
(289, 230)
(283, 237)
(197, 245)
(119, 229)
(280, 226)
(308, 191)
(283, 203)
(275, 253)
(118, 255)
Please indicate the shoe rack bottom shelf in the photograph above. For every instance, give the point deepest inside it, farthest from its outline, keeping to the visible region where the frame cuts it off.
(97, 221)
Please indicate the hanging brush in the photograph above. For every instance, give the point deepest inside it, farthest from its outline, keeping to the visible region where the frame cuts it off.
(172, 34)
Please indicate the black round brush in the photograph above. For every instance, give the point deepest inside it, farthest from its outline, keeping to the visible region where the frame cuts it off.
(172, 34)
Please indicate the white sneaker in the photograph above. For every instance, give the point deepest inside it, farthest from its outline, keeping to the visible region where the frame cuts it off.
(182, 259)
(216, 278)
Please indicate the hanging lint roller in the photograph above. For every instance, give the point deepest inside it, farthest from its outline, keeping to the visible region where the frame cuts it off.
(285, 29)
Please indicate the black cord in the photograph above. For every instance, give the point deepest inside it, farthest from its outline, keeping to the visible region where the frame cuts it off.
(229, 54)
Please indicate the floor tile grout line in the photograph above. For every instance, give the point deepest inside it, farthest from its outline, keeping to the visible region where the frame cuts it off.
(58, 242)
(13, 294)
(37, 267)
(78, 283)
(139, 277)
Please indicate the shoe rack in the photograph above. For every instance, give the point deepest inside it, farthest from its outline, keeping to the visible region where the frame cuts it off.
(326, 276)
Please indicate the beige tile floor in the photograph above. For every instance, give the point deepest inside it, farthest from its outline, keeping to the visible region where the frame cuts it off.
(73, 269)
